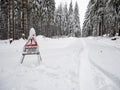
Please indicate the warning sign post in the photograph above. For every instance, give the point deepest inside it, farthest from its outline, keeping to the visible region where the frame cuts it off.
(31, 48)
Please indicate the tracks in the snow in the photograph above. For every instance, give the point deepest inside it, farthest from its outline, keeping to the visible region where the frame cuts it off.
(104, 79)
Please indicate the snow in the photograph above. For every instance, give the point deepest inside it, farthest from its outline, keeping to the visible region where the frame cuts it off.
(67, 64)
(32, 32)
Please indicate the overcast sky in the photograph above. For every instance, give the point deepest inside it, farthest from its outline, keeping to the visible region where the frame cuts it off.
(82, 4)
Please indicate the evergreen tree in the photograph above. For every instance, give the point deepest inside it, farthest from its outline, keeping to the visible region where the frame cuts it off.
(102, 17)
(50, 6)
(86, 25)
(70, 20)
(58, 20)
(77, 30)
(24, 18)
(3, 19)
(65, 20)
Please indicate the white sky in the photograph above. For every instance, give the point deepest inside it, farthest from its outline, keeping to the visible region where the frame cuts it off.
(82, 4)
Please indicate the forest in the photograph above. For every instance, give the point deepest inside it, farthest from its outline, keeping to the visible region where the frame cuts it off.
(18, 16)
(102, 18)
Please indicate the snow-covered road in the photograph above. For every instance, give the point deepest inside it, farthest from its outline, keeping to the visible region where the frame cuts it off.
(92, 76)
(68, 64)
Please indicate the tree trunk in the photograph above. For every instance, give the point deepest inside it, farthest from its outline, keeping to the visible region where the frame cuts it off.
(11, 19)
(119, 33)
(24, 16)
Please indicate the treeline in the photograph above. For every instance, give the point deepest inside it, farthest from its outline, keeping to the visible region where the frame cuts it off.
(67, 21)
(18, 16)
(102, 18)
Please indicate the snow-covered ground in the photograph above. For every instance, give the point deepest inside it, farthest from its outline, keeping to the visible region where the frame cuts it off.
(67, 64)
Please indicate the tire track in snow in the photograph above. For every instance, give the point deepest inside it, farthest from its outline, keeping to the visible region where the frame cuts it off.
(107, 75)
(86, 73)
(112, 77)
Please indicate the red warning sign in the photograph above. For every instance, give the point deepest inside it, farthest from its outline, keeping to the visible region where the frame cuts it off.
(31, 42)
(31, 47)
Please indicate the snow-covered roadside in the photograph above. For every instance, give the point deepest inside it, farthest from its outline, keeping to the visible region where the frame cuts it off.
(57, 71)
(106, 55)
(68, 64)
(104, 58)
(93, 76)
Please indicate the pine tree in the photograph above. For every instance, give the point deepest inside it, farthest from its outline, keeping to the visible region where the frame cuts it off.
(58, 20)
(17, 19)
(11, 19)
(65, 20)
(77, 30)
(87, 31)
(50, 6)
(118, 20)
(116, 5)
(3, 19)
(102, 17)
(70, 20)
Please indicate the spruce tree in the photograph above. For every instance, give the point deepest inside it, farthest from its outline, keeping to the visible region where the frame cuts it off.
(77, 30)
(70, 20)
(65, 20)
(58, 19)
(50, 6)
(102, 17)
